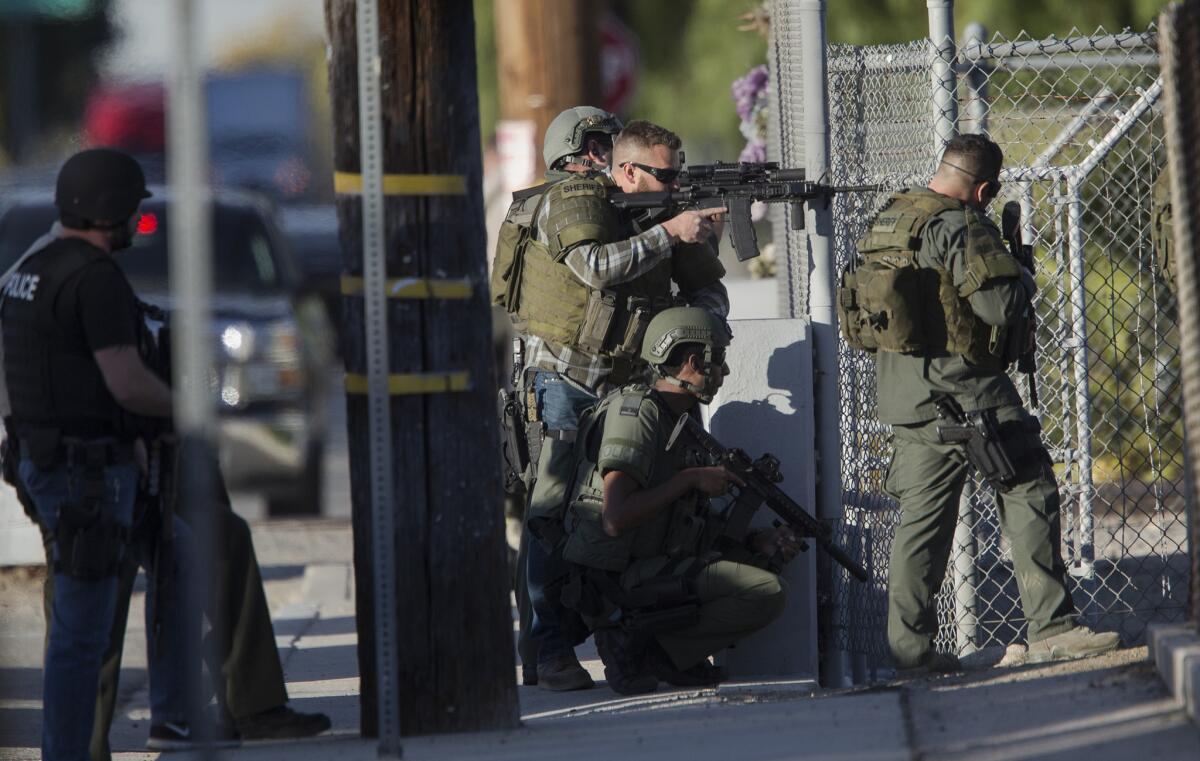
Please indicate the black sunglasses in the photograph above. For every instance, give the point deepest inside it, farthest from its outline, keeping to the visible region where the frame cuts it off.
(661, 174)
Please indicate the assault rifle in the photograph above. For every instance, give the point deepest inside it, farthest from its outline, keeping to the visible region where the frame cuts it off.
(514, 447)
(736, 186)
(760, 477)
(162, 478)
(1010, 226)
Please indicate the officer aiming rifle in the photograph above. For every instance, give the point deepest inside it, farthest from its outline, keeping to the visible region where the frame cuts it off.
(734, 187)
(759, 478)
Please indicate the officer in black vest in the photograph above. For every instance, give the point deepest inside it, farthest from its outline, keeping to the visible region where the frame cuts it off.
(70, 333)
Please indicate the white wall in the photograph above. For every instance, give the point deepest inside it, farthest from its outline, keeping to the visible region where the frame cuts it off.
(766, 405)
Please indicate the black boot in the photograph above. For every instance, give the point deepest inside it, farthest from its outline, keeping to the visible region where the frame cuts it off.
(624, 662)
(703, 674)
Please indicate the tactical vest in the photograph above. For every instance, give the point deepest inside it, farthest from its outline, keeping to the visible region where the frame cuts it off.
(53, 379)
(544, 298)
(676, 532)
(888, 301)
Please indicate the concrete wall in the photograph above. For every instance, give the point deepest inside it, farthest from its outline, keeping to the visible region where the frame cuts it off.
(766, 405)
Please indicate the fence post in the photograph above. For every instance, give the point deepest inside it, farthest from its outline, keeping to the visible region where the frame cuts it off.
(977, 80)
(1179, 44)
(945, 100)
(835, 667)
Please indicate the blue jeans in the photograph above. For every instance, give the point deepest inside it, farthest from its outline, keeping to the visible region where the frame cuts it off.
(82, 615)
(560, 405)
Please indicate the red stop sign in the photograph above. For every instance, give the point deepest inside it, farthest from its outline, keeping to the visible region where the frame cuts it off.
(619, 64)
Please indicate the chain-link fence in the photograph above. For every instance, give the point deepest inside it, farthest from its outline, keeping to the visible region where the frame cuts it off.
(1079, 121)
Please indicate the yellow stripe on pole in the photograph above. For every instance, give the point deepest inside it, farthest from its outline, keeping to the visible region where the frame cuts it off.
(350, 183)
(413, 287)
(405, 384)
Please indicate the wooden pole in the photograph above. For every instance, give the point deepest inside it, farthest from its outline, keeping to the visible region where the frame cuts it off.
(453, 628)
(548, 55)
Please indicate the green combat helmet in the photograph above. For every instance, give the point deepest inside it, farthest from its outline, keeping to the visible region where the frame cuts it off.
(688, 325)
(564, 136)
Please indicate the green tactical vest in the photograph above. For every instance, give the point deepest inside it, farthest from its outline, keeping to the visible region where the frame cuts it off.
(548, 300)
(676, 532)
(515, 235)
(889, 302)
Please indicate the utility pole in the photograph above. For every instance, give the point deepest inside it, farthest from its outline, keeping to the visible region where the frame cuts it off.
(548, 60)
(450, 636)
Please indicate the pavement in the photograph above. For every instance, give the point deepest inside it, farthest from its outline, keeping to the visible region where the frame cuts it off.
(1109, 708)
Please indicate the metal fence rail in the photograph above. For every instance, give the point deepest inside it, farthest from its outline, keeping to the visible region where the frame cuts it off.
(1079, 120)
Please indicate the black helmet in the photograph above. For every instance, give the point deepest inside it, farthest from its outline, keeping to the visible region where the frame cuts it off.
(100, 185)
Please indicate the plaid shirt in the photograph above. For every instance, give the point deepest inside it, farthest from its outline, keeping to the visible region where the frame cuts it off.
(604, 266)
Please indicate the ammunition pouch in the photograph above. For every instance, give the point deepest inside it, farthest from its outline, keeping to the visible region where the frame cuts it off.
(614, 324)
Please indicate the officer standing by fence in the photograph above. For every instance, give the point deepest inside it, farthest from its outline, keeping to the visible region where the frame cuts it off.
(947, 308)
(70, 334)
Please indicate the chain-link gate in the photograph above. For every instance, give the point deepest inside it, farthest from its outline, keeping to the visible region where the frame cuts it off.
(1079, 123)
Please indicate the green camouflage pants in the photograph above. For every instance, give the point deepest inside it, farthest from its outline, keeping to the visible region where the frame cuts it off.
(927, 478)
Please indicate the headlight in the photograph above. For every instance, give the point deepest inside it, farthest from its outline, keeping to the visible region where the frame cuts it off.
(238, 341)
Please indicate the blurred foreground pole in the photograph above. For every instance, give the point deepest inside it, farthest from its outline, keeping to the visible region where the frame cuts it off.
(1179, 47)
(835, 667)
(547, 60)
(190, 268)
(450, 629)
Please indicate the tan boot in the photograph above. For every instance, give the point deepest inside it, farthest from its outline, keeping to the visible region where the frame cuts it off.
(1079, 642)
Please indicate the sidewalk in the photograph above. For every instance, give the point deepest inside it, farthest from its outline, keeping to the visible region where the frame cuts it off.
(1112, 708)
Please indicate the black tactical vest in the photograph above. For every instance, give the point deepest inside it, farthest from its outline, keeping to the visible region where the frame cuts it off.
(53, 379)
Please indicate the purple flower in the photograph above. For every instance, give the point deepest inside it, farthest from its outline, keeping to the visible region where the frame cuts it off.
(747, 90)
(755, 151)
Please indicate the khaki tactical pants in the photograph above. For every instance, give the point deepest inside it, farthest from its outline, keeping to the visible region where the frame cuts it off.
(736, 600)
(927, 478)
(241, 646)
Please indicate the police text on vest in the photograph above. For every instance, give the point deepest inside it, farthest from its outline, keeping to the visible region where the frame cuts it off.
(21, 286)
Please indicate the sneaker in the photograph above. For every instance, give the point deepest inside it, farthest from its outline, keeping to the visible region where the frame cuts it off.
(932, 663)
(282, 723)
(563, 673)
(179, 736)
(1079, 642)
(624, 664)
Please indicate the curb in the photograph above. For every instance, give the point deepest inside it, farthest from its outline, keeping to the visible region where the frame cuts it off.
(1175, 650)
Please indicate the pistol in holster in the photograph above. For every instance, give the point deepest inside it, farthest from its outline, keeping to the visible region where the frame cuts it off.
(979, 435)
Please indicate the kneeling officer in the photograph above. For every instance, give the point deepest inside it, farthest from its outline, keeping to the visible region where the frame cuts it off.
(639, 525)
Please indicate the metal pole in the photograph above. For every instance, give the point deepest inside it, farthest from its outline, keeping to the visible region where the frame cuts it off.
(977, 82)
(819, 229)
(966, 574)
(1077, 343)
(190, 269)
(378, 396)
(942, 52)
